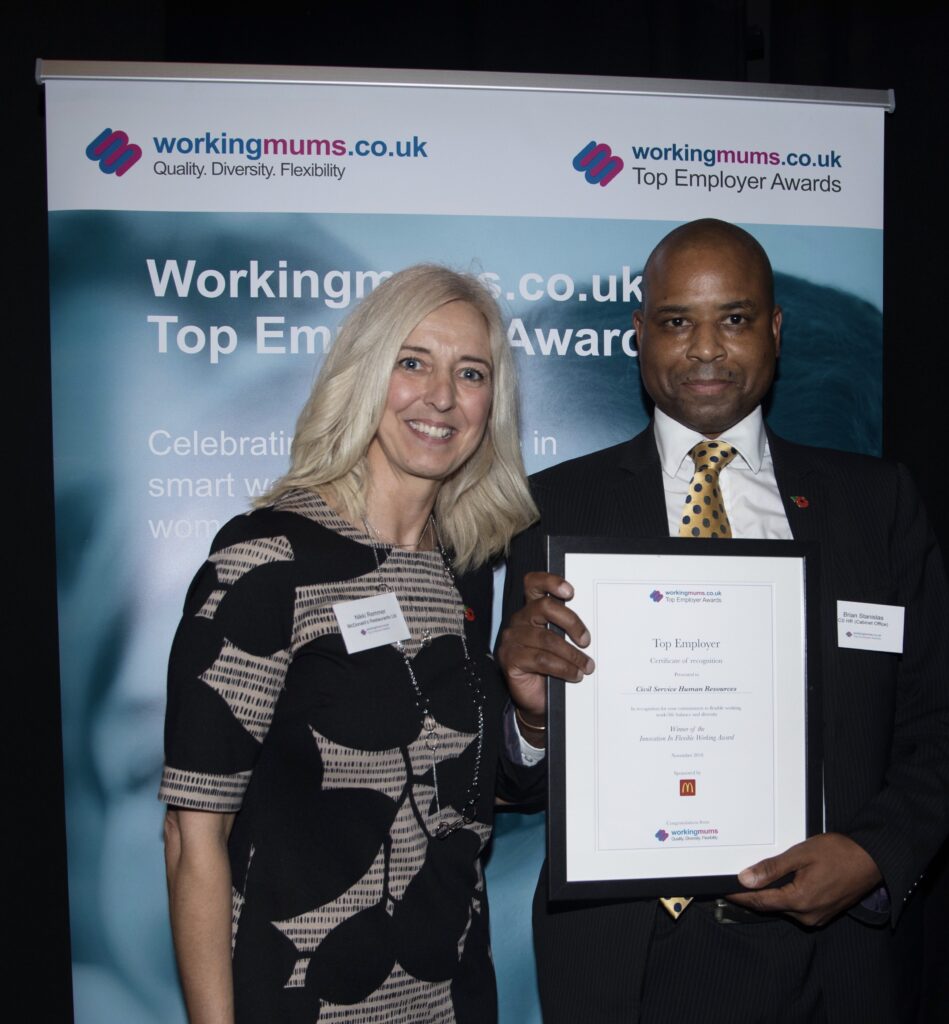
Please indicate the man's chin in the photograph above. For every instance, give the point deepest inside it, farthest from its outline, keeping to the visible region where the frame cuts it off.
(708, 420)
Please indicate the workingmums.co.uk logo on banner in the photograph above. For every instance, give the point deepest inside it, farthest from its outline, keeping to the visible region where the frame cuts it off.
(598, 163)
(113, 152)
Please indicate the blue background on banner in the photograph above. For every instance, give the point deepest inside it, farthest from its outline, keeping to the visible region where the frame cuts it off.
(121, 582)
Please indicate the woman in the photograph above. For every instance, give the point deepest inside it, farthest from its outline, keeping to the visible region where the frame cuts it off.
(333, 724)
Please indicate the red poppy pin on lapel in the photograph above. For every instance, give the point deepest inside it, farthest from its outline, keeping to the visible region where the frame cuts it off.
(800, 500)
(469, 613)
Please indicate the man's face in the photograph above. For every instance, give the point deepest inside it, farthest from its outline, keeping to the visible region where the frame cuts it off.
(707, 335)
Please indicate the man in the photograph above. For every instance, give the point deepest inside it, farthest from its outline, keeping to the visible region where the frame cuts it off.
(822, 945)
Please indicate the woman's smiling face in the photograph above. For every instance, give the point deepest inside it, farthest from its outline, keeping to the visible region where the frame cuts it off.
(439, 397)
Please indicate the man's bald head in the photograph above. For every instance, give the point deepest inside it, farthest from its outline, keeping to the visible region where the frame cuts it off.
(708, 332)
(710, 233)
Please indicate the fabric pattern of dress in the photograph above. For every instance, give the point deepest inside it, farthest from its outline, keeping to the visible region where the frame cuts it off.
(345, 906)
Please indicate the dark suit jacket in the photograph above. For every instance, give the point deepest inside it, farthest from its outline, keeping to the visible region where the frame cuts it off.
(885, 716)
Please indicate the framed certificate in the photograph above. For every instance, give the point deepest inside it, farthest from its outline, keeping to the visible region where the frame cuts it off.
(693, 750)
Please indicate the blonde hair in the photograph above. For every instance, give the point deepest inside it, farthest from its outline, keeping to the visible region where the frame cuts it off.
(486, 501)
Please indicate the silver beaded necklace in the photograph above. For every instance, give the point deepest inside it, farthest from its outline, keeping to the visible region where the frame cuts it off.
(475, 687)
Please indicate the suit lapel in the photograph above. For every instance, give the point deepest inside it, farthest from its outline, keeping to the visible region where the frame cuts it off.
(639, 499)
(800, 490)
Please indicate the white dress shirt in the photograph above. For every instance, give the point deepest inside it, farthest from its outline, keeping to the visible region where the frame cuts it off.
(749, 489)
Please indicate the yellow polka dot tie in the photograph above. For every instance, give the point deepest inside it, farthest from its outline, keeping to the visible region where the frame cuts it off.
(675, 905)
(703, 514)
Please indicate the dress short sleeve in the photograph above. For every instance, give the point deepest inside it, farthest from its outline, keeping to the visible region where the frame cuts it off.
(228, 665)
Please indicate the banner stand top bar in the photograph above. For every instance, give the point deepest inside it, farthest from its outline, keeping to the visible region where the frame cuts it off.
(64, 70)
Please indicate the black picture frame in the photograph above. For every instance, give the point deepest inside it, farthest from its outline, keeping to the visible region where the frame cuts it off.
(560, 887)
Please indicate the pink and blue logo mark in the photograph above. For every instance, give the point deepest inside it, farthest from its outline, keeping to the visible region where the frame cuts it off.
(598, 164)
(657, 596)
(113, 152)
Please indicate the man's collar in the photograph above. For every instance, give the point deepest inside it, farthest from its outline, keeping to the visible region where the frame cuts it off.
(674, 440)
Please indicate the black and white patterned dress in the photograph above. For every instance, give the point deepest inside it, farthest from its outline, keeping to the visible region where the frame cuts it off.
(345, 908)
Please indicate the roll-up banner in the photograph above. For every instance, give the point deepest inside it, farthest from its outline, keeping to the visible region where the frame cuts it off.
(209, 229)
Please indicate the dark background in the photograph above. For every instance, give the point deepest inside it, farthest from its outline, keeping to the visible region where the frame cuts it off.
(782, 41)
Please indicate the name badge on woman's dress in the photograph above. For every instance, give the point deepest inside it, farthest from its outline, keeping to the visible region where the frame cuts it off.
(371, 622)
